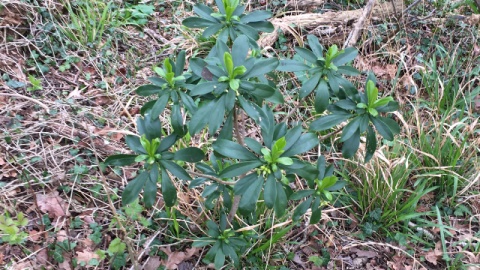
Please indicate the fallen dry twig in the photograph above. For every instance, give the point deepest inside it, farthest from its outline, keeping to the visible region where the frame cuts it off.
(313, 20)
(359, 25)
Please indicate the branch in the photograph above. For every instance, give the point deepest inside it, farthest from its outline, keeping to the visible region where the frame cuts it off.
(211, 178)
(358, 27)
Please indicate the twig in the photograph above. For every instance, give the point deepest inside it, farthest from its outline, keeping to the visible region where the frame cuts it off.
(211, 178)
(358, 27)
(113, 209)
(27, 98)
(330, 134)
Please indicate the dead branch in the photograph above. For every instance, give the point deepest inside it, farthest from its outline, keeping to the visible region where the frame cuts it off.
(313, 20)
(359, 25)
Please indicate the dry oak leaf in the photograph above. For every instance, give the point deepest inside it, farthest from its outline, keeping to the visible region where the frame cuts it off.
(53, 204)
(34, 235)
(433, 256)
(86, 256)
(177, 257)
(152, 264)
(41, 255)
(27, 265)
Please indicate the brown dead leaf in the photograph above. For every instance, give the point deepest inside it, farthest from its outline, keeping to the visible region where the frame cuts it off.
(473, 19)
(53, 204)
(152, 264)
(41, 255)
(433, 256)
(86, 256)
(27, 265)
(34, 235)
(427, 197)
(177, 257)
(421, 209)
(364, 253)
(110, 132)
(103, 100)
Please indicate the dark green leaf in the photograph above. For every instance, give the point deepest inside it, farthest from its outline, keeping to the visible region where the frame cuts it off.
(189, 154)
(167, 142)
(152, 126)
(204, 11)
(177, 120)
(326, 122)
(317, 49)
(306, 54)
(219, 258)
(264, 26)
(207, 87)
(133, 143)
(291, 66)
(229, 251)
(176, 170)
(132, 190)
(316, 216)
(253, 145)
(346, 104)
(188, 103)
(160, 105)
(392, 124)
(322, 98)
(200, 119)
(389, 107)
(301, 209)
(239, 50)
(382, 128)
(337, 186)
(309, 85)
(270, 191)
(281, 202)
(263, 90)
(120, 160)
(212, 30)
(305, 143)
(196, 22)
(248, 30)
(250, 197)
(301, 194)
(168, 189)
(261, 67)
(349, 54)
(350, 128)
(217, 115)
(292, 136)
(150, 189)
(242, 185)
(180, 64)
(276, 98)
(350, 146)
(148, 90)
(239, 168)
(348, 70)
(233, 150)
(256, 16)
(364, 121)
(227, 130)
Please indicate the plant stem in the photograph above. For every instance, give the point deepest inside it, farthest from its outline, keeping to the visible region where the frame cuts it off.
(239, 135)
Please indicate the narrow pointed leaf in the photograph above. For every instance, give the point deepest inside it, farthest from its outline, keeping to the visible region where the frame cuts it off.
(133, 189)
(270, 191)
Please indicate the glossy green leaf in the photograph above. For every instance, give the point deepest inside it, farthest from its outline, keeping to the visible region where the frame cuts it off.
(270, 191)
(133, 142)
(301, 209)
(256, 16)
(248, 30)
(177, 120)
(239, 50)
(219, 258)
(240, 168)
(322, 97)
(305, 143)
(316, 47)
(291, 66)
(326, 122)
(253, 145)
(148, 90)
(204, 11)
(176, 170)
(133, 189)
(159, 105)
(250, 197)
(167, 142)
(217, 115)
(189, 154)
(306, 54)
(227, 130)
(120, 160)
(200, 119)
(301, 194)
(196, 22)
(168, 189)
(281, 202)
(243, 184)
(309, 85)
(264, 26)
(392, 124)
(349, 54)
(371, 145)
(364, 121)
(233, 150)
(351, 128)
(382, 128)
(351, 145)
(372, 93)
(212, 30)
(348, 70)
(150, 189)
(389, 107)
(261, 67)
